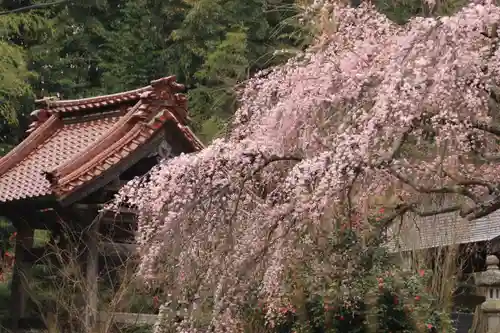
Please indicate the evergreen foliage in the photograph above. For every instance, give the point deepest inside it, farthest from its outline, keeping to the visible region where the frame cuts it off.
(91, 47)
(18, 32)
(105, 46)
(15, 74)
(210, 45)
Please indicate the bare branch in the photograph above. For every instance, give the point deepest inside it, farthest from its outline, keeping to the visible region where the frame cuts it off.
(400, 210)
(469, 182)
(490, 128)
(457, 189)
(485, 208)
(491, 157)
(277, 158)
(438, 211)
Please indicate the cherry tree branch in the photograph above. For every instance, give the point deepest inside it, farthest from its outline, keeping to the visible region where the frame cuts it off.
(398, 143)
(349, 195)
(457, 189)
(277, 158)
(412, 207)
(467, 182)
(402, 209)
(490, 128)
(483, 209)
(491, 157)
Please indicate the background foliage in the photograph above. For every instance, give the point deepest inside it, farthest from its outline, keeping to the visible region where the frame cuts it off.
(89, 47)
(94, 47)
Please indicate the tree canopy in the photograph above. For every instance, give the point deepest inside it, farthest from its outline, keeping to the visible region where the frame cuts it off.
(86, 48)
(373, 115)
(383, 116)
(17, 32)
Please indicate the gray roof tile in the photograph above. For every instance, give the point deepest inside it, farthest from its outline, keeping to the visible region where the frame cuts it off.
(442, 230)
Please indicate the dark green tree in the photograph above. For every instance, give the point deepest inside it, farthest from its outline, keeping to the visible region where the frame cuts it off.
(211, 45)
(18, 31)
(94, 47)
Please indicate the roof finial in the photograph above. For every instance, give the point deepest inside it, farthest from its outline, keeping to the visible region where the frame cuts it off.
(45, 101)
(170, 82)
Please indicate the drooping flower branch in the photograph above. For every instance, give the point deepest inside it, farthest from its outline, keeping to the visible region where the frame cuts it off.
(376, 114)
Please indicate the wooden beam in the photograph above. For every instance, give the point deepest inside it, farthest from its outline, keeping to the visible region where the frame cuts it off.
(92, 207)
(128, 318)
(45, 219)
(120, 219)
(20, 277)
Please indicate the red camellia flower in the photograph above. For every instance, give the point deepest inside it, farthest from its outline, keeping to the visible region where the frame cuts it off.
(381, 210)
(156, 302)
(341, 318)
(421, 272)
(417, 298)
(328, 307)
(429, 326)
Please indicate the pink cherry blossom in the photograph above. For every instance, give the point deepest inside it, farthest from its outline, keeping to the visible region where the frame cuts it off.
(373, 111)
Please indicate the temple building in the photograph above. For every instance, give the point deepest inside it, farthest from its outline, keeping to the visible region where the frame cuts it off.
(76, 157)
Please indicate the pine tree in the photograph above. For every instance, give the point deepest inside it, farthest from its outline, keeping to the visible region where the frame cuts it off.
(17, 32)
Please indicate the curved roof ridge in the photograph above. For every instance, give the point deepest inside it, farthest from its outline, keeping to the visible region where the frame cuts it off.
(51, 102)
(68, 105)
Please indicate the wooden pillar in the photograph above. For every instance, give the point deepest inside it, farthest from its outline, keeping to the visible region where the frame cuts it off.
(92, 272)
(20, 277)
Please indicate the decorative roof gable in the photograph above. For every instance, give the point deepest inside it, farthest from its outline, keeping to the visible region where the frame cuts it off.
(72, 142)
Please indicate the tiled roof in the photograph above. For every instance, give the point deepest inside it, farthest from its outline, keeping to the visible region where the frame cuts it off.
(73, 142)
(66, 142)
(442, 230)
